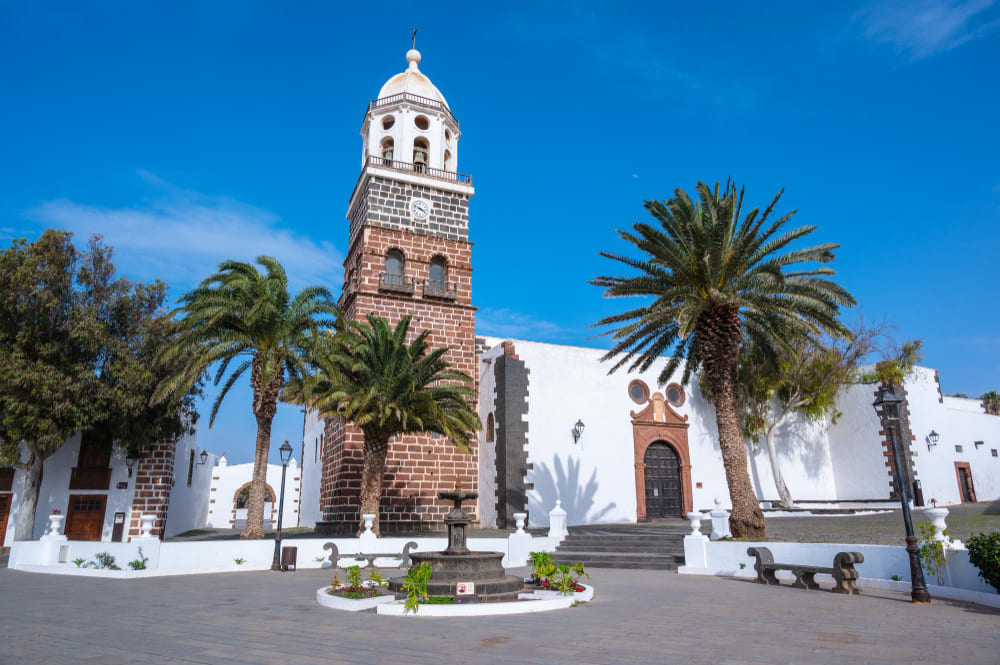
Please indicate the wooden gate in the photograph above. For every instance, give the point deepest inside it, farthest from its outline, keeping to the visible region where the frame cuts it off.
(85, 520)
(663, 481)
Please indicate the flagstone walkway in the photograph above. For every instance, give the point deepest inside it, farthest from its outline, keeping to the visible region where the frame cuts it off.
(651, 617)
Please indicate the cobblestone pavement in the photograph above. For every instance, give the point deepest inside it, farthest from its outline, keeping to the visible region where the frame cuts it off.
(636, 617)
(882, 528)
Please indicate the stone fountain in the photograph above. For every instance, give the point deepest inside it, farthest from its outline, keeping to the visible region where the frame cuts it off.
(457, 564)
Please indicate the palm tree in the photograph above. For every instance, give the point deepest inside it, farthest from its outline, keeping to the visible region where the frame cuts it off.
(245, 315)
(715, 278)
(991, 403)
(367, 374)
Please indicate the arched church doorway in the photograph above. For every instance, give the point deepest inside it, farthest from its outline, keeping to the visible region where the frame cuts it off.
(240, 501)
(663, 481)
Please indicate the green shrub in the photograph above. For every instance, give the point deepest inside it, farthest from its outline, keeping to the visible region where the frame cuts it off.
(353, 576)
(415, 586)
(106, 561)
(140, 563)
(931, 551)
(984, 553)
(542, 564)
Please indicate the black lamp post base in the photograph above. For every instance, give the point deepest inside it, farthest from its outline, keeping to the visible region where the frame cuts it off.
(919, 593)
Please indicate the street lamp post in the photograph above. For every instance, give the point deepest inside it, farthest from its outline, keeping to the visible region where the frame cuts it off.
(286, 454)
(887, 407)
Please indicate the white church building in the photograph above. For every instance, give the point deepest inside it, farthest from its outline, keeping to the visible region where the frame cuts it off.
(640, 451)
(556, 426)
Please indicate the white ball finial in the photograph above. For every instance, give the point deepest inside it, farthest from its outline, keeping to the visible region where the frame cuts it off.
(413, 57)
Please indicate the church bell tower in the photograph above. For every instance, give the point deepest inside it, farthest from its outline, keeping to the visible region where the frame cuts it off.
(408, 254)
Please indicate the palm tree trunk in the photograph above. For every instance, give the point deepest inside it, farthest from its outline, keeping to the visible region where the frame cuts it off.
(265, 402)
(25, 527)
(373, 469)
(718, 335)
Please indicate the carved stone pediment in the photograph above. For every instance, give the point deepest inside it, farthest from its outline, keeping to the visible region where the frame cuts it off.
(658, 410)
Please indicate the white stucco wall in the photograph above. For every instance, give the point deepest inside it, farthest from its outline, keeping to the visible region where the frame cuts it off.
(855, 447)
(487, 449)
(821, 461)
(958, 425)
(313, 442)
(228, 479)
(188, 507)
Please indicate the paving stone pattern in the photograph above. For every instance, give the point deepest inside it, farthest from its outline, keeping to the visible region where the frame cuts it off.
(637, 617)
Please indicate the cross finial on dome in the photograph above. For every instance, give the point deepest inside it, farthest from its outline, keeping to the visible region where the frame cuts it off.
(413, 55)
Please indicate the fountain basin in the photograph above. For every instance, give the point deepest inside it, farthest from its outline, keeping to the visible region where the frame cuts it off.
(484, 569)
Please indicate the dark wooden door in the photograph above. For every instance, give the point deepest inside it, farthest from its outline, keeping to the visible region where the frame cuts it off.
(965, 485)
(663, 481)
(4, 514)
(85, 519)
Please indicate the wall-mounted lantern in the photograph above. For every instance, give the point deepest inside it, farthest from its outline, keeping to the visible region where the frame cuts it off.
(578, 431)
(932, 439)
(130, 459)
(203, 456)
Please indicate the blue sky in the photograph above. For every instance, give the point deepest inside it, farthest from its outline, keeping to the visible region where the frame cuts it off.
(198, 132)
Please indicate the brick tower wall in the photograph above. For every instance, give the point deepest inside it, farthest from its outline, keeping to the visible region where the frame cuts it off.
(154, 475)
(418, 466)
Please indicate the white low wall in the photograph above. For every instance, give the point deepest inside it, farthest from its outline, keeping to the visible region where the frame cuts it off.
(221, 555)
(959, 579)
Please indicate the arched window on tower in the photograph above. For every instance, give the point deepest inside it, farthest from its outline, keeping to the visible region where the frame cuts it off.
(489, 428)
(447, 161)
(393, 279)
(387, 146)
(394, 267)
(420, 154)
(437, 285)
(437, 275)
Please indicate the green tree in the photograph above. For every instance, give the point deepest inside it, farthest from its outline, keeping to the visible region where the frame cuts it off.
(896, 364)
(714, 279)
(78, 348)
(367, 374)
(242, 314)
(991, 403)
(802, 379)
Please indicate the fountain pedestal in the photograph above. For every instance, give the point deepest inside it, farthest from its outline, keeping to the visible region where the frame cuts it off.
(458, 564)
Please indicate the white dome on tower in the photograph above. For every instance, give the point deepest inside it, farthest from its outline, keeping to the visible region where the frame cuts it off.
(412, 81)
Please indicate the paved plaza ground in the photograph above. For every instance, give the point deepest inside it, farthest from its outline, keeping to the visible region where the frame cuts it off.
(636, 617)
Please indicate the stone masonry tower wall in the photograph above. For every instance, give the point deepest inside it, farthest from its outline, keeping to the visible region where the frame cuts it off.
(408, 255)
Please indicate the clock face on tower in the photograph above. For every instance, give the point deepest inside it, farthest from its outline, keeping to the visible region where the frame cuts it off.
(420, 208)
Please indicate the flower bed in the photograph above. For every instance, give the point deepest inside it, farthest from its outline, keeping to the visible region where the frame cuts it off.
(328, 597)
(528, 602)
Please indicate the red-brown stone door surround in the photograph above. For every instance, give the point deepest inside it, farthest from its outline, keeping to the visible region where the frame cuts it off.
(659, 422)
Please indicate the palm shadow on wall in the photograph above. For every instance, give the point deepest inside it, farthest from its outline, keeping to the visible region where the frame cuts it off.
(563, 483)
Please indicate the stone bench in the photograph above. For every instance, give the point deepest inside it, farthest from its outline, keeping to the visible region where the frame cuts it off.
(370, 558)
(843, 571)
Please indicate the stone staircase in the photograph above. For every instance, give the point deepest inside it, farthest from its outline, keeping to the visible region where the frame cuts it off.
(654, 545)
